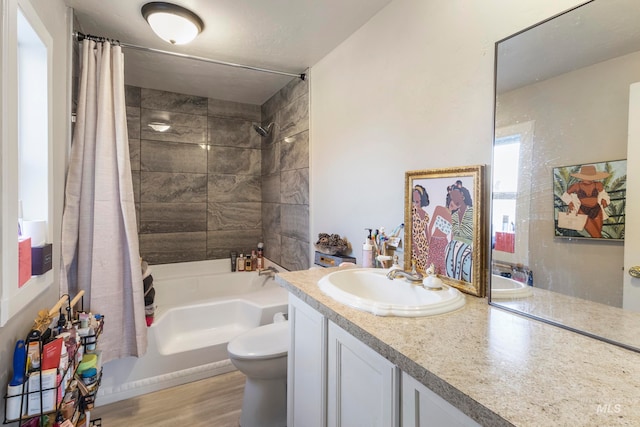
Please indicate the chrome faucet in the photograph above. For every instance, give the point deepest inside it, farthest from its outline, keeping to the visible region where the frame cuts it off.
(413, 276)
(270, 271)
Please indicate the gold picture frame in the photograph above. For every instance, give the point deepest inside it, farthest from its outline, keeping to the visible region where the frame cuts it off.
(444, 225)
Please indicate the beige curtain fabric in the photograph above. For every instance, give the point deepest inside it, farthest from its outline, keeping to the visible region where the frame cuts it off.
(100, 252)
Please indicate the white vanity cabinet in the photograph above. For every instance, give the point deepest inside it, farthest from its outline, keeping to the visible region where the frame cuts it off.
(363, 387)
(334, 379)
(307, 361)
(421, 407)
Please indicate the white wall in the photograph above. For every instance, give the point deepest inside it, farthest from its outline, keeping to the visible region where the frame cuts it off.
(53, 14)
(412, 89)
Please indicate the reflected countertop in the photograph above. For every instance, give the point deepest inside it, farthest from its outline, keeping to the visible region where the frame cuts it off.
(599, 319)
(497, 367)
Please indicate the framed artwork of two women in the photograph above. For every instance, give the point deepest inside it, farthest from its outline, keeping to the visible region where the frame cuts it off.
(589, 200)
(443, 212)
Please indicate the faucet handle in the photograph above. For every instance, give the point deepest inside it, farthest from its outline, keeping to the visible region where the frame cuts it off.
(414, 270)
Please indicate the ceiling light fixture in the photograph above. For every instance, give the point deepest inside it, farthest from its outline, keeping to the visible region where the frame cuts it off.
(171, 22)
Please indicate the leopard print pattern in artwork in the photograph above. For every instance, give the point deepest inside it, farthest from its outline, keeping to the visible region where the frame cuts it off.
(420, 243)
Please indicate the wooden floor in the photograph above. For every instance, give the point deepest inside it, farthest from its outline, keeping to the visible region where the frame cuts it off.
(212, 402)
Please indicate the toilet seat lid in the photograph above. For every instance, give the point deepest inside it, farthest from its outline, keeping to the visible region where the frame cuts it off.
(263, 342)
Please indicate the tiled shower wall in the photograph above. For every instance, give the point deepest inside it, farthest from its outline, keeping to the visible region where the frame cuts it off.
(197, 185)
(285, 176)
(200, 186)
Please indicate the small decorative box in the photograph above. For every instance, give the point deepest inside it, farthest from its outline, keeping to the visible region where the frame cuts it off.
(325, 260)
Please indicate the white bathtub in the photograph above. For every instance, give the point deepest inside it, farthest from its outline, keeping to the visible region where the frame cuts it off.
(200, 307)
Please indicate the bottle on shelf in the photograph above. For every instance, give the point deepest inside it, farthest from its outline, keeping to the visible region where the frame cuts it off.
(233, 255)
(260, 257)
(248, 264)
(241, 262)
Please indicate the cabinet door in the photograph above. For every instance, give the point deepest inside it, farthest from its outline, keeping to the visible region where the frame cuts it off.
(362, 386)
(422, 407)
(306, 380)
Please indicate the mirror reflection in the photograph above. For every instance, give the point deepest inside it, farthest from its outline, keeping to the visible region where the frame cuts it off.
(562, 197)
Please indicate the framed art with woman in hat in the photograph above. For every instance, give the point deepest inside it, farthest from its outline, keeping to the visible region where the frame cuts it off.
(589, 200)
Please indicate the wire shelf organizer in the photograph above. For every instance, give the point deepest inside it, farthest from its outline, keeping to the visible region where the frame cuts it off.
(64, 394)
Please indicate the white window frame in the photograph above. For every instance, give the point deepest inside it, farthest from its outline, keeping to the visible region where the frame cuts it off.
(525, 131)
(12, 298)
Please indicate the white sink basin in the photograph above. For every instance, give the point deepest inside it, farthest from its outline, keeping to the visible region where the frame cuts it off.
(368, 289)
(505, 288)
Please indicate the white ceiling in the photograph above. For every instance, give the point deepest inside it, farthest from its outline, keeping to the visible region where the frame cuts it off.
(596, 32)
(285, 35)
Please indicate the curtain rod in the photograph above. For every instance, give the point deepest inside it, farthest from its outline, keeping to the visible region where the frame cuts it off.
(80, 36)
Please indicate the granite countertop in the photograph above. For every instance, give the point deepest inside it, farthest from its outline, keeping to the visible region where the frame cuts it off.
(499, 368)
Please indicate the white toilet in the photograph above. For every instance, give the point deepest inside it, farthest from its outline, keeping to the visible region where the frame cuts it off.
(261, 354)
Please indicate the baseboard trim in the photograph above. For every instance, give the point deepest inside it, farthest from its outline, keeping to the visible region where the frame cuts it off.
(107, 395)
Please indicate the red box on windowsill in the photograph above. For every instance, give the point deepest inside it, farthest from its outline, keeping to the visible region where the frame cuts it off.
(505, 242)
(24, 261)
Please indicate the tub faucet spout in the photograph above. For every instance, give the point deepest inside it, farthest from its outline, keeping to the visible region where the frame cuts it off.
(268, 271)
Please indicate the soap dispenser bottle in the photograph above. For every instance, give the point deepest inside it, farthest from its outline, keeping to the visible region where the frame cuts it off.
(240, 263)
(367, 251)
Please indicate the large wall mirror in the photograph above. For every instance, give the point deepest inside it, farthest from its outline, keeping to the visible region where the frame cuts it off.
(565, 213)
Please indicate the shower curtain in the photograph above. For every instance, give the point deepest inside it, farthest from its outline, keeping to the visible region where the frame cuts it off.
(100, 252)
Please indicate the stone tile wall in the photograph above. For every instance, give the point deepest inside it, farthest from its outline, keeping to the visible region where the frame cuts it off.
(285, 177)
(197, 185)
(210, 184)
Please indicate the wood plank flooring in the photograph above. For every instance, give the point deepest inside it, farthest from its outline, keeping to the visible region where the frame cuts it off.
(212, 402)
